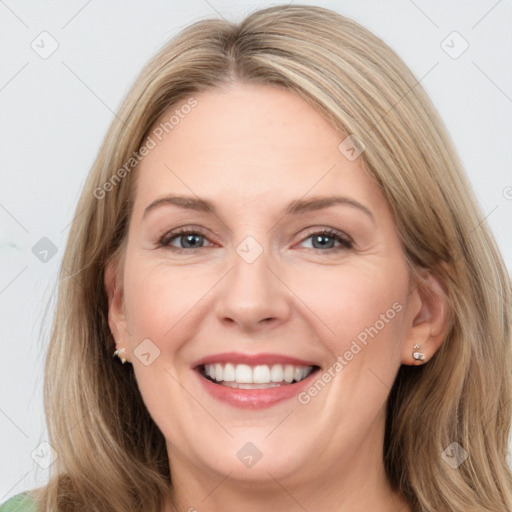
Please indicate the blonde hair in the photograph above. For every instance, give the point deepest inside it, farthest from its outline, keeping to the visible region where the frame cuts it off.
(112, 456)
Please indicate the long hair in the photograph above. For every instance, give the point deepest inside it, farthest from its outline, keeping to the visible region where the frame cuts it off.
(112, 456)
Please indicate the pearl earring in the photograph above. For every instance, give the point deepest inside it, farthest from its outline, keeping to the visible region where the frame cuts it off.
(419, 356)
(120, 353)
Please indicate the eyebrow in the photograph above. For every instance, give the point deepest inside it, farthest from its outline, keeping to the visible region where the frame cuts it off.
(297, 207)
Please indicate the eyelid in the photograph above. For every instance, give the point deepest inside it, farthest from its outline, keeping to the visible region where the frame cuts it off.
(345, 240)
(165, 239)
(342, 238)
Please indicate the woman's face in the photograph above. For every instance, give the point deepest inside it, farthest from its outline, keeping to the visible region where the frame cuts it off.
(294, 270)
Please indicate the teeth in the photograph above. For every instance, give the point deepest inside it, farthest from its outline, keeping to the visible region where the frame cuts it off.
(243, 374)
(261, 374)
(218, 372)
(229, 373)
(276, 373)
(289, 372)
(256, 377)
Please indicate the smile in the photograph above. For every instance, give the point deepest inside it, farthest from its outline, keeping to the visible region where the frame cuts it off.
(263, 376)
(253, 381)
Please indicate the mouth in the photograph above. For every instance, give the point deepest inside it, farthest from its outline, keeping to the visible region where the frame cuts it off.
(262, 376)
(254, 381)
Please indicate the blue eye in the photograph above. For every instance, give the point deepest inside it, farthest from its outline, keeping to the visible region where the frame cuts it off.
(189, 240)
(327, 238)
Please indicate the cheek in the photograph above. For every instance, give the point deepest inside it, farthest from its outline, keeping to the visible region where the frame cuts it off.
(147, 308)
(355, 302)
(155, 301)
(157, 296)
(363, 313)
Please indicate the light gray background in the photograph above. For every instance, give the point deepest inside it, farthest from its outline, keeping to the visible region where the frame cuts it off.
(55, 112)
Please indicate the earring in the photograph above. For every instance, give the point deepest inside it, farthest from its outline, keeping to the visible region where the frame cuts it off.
(417, 354)
(120, 354)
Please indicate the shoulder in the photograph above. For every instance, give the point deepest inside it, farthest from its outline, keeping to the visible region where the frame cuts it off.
(23, 502)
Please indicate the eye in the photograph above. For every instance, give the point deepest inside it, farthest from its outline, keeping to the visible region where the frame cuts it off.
(185, 238)
(326, 239)
(190, 240)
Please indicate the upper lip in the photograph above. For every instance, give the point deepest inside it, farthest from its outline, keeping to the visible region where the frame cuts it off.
(251, 359)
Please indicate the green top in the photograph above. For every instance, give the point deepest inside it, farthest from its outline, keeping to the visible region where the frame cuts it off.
(20, 503)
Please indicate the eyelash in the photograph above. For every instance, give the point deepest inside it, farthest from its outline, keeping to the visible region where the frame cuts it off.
(344, 240)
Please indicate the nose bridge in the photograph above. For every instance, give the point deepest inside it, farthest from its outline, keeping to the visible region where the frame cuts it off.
(251, 292)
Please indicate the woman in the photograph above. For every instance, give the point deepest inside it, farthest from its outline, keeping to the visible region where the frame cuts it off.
(279, 245)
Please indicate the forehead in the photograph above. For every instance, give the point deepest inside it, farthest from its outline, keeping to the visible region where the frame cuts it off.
(249, 143)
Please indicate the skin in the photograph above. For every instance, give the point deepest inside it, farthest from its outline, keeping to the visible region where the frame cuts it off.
(251, 150)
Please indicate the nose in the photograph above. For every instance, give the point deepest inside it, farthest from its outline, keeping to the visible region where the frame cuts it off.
(253, 296)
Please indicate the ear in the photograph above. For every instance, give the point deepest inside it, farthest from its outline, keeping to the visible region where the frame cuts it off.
(430, 319)
(115, 295)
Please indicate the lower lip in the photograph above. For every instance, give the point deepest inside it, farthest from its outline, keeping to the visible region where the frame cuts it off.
(254, 398)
